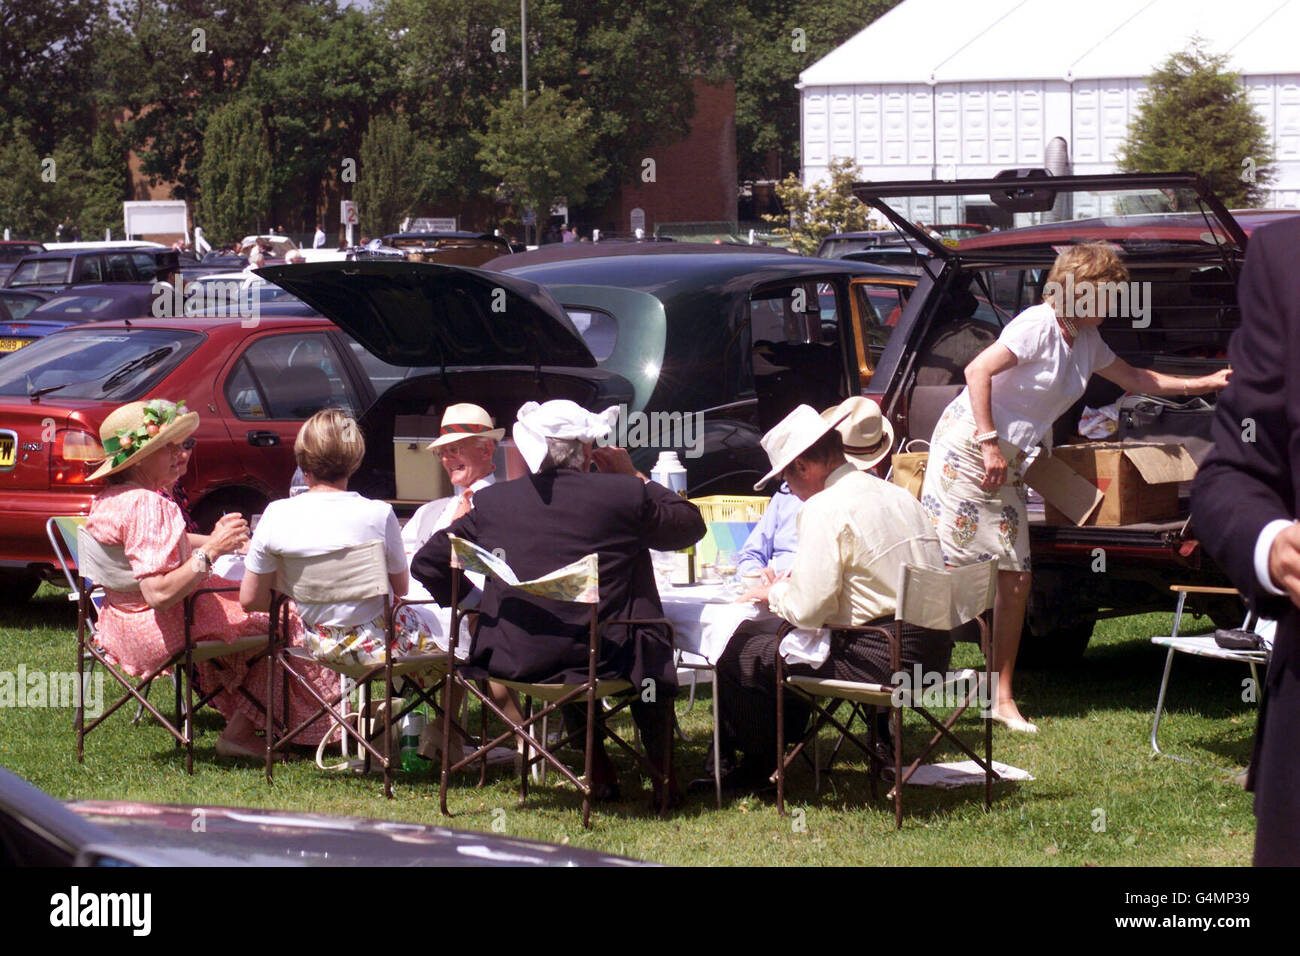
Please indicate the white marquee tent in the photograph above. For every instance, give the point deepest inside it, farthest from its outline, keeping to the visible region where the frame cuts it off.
(965, 88)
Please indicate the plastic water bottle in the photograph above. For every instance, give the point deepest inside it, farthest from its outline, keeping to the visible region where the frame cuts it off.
(413, 725)
(297, 484)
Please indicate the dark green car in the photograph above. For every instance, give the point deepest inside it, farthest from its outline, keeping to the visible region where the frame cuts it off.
(706, 348)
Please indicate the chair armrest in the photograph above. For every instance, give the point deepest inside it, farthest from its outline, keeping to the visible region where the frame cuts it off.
(403, 602)
(188, 603)
(887, 632)
(1199, 589)
(197, 591)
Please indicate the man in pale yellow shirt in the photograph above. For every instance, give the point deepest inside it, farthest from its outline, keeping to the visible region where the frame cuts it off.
(855, 534)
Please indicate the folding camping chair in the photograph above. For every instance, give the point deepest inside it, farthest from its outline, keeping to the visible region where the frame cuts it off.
(348, 574)
(940, 600)
(576, 583)
(1204, 646)
(107, 565)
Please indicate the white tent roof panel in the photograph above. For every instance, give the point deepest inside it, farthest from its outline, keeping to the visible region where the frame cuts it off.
(951, 41)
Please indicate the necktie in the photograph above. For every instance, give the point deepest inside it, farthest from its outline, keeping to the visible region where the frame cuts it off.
(462, 506)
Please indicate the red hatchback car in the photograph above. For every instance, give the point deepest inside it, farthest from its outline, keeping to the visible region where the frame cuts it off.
(252, 387)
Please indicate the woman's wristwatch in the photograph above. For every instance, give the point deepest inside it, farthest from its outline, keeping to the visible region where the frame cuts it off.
(982, 437)
(202, 562)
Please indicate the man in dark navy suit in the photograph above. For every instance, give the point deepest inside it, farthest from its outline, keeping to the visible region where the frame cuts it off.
(1244, 507)
(552, 517)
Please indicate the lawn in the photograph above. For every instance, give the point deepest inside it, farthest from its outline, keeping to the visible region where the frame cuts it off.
(1098, 797)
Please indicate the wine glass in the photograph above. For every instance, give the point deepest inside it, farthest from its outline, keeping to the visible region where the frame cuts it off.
(727, 565)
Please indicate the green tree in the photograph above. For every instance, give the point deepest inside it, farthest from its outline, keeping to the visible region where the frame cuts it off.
(235, 177)
(390, 173)
(776, 41)
(318, 97)
(26, 201)
(104, 183)
(1196, 117)
(47, 52)
(452, 64)
(632, 65)
(826, 208)
(169, 64)
(542, 154)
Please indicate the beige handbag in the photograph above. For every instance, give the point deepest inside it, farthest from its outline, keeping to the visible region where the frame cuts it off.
(907, 468)
(371, 725)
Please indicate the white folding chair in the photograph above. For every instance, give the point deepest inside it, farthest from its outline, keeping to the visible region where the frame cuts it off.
(940, 600)
(1204, 646)
(343, 576)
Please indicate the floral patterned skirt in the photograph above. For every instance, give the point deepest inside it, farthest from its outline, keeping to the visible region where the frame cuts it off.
(366, 645)
(973, 524)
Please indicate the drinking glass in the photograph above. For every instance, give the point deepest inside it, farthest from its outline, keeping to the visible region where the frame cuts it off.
(727, 567)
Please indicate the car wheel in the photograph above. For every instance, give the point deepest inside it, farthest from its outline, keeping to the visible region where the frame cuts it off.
(18, 586)
(1053, 646)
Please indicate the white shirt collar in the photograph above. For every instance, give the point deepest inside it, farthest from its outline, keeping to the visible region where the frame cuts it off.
(838, 474)
(478, 485)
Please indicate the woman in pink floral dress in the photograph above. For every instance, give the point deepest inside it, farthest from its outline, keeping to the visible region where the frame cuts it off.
(139, 630)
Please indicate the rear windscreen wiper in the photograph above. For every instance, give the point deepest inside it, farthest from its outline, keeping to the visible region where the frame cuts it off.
(144, 361)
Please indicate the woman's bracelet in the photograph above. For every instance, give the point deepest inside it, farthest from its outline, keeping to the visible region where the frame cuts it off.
(982, 437)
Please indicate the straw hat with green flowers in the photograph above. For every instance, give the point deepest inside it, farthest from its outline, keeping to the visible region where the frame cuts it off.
(138, 429)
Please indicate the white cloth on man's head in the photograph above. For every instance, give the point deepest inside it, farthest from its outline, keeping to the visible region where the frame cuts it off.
(558, 418)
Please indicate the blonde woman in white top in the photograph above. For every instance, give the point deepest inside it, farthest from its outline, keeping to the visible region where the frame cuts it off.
(1015, 390)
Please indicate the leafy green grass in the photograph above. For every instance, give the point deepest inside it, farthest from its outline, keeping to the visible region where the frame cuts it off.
(1091, 758)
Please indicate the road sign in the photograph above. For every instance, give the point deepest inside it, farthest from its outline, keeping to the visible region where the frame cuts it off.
(348, 213)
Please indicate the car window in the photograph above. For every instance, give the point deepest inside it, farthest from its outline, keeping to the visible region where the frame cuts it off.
(19, 305)
(798, 313)
(881, 305)
(41, 272)
(146, 266)
(89, 269)
(289, 377)
(76, 304)
(382, 375)
(119, 364)
(795, 346)
(117, 268)
(599, 330)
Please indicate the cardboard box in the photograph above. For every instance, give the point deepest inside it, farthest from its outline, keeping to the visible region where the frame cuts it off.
(1111, 483)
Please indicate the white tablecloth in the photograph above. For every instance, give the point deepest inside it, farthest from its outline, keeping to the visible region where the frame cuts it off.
(705, 618)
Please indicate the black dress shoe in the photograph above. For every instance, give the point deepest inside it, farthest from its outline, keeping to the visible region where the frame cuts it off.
(749, 777)
(606, 792)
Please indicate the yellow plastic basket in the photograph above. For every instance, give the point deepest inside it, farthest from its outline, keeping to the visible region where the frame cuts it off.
(731, 507)
(721, 513)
